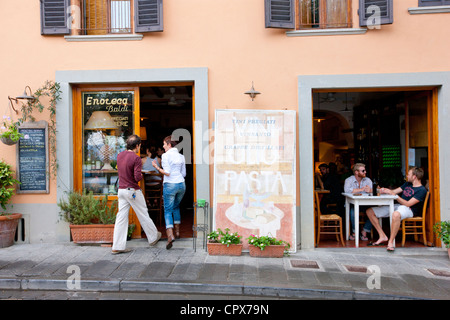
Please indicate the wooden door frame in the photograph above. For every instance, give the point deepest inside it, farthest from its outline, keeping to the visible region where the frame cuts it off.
(77, 119)
(433, 145)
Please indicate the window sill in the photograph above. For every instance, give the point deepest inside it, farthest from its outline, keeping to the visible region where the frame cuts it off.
(326, 32)
(426, 10)
(109, 37)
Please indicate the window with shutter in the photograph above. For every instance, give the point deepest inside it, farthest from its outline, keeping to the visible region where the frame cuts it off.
(280, 14)
(55, 16)
(375, 12)
(148, 15)
(429, 3)
(101, 17)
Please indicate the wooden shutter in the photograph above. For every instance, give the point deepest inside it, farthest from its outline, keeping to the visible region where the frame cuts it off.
(148, 15)
(386, 11)
(55, 16)
(280, 14)
(428, 3)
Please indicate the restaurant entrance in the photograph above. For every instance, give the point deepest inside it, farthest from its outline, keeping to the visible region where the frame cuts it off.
(388, 131)
(105, 115)
(165, 110)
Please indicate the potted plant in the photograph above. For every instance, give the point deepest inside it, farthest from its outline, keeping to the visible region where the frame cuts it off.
(9, 131)
(442, 230)
(224, 243)
(91, 219)
(266, 246)
(8, 221)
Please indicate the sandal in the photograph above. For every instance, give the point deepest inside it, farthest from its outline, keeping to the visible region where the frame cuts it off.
(390, 249)
(351, 237)
(121, 251)
(363, 238)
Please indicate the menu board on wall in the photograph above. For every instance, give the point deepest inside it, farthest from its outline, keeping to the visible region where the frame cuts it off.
(254, 173)
(32, 158)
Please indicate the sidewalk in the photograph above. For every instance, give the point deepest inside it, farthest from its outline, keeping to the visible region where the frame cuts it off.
(408, 273)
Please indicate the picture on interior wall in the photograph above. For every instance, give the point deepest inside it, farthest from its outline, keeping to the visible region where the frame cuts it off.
(254, 173)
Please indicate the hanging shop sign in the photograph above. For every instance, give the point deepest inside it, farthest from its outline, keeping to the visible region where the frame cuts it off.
(254, 173)
(33, 158)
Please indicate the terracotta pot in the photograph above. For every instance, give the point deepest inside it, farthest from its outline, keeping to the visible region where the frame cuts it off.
(219, 249)
(8, 226)
(92, 233)
(268, 252)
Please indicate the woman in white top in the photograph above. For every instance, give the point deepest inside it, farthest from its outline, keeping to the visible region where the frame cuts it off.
(174, 187)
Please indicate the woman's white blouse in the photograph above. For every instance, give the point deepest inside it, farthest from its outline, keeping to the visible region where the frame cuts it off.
(173, 163)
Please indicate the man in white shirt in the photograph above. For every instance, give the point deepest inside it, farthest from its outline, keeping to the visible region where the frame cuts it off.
(359, 183)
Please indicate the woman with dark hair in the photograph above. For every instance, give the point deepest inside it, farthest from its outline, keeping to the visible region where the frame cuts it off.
(174, 188)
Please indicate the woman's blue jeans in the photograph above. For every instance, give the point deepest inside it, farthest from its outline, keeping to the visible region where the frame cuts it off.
(172, 195)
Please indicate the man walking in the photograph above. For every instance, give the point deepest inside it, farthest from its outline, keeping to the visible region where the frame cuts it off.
(409, 204)
(129, 166)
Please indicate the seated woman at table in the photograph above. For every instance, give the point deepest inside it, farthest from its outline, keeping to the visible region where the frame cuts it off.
(147, 161)
(359, 183)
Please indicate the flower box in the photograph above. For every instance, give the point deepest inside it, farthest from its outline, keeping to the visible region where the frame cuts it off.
(92, 233)
(219, 249)
(272, 251)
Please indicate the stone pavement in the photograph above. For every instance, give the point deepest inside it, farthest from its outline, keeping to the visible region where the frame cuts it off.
(333, 273)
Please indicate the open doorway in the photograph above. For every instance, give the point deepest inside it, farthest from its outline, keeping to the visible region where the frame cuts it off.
(166, 108)
(389, 131)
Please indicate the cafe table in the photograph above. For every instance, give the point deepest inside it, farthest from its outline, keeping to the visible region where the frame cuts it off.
(365, 200)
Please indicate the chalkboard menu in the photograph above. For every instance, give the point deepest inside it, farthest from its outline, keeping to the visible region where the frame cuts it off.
(32, 158)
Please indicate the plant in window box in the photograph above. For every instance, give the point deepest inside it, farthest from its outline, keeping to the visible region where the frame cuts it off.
(442, 229)
(266, 246)
(8, 221)
(224, 243)
(9, 131)
(91, 219)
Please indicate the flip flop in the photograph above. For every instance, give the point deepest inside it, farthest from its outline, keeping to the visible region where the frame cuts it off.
(390, 249)
(363, 238)
(373, 244)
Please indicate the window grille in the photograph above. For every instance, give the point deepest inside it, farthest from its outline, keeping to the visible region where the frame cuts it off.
(106, 16)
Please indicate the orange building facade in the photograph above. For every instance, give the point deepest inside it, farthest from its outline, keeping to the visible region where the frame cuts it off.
(360, 77)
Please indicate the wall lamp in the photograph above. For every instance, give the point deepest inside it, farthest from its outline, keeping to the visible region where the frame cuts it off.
(24, 96)
(252, 92)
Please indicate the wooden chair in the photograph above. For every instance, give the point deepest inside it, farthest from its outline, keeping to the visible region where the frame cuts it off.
(153, 194)
(416, 225)
(328, 223)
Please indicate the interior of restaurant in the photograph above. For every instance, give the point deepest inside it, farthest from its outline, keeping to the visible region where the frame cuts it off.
(387, 131)
(164, 109)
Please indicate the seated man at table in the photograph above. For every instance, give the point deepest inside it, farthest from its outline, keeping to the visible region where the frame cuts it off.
(410, 204)
(359, 184)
